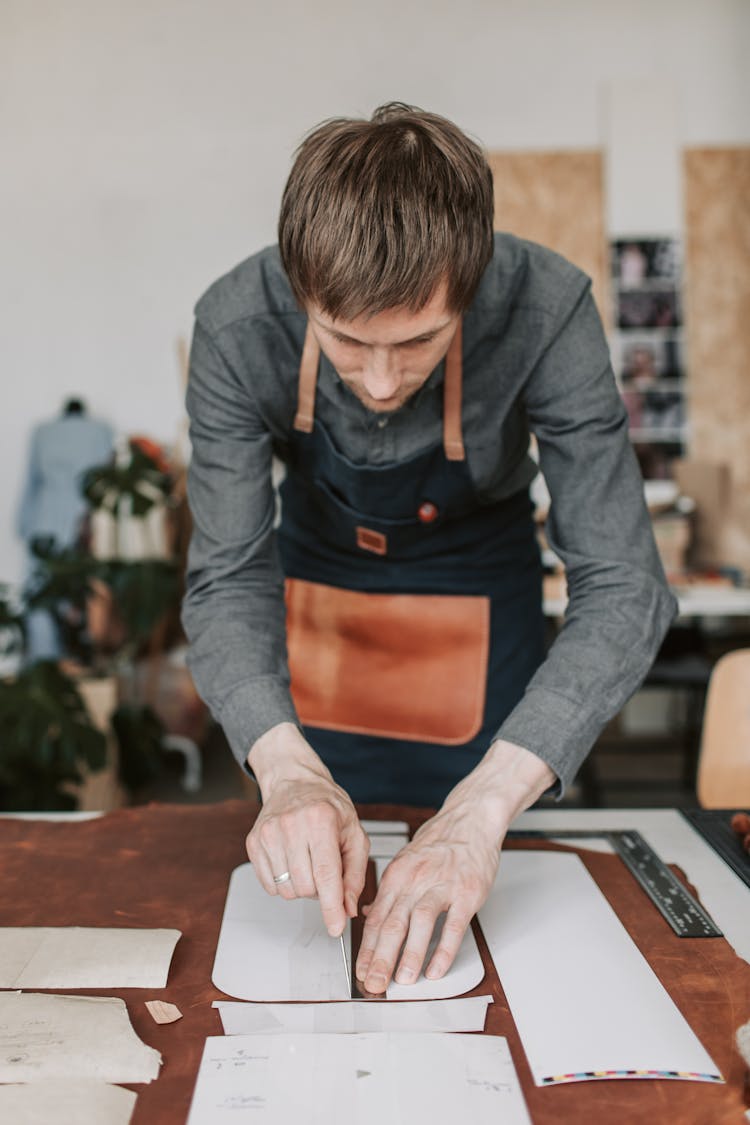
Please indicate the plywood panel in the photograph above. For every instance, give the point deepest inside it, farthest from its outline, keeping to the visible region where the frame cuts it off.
(557, 198)
(717, 292)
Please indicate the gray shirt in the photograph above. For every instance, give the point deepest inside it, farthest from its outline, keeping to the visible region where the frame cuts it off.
(535, 360)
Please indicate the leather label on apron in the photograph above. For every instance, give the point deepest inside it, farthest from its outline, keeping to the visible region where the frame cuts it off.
(405, 666)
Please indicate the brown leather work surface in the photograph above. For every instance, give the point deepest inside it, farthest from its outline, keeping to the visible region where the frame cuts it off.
(169, 865)
(408, 666)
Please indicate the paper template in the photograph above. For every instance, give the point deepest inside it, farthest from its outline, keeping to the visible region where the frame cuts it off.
(385, 846)
(584, 999)
(367, 1079)
(66, 1103)
(273, 949)
(44, 1036)
(386, 828)
(465, 973)
(85, 957)
(466, 1014)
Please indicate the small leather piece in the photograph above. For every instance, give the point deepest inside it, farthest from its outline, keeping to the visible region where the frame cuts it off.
(407, 666)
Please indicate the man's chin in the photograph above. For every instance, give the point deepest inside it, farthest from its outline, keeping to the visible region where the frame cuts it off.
(382, 405)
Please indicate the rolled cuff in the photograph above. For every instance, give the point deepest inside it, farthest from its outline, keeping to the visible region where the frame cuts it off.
(554, 728)
(251, 710)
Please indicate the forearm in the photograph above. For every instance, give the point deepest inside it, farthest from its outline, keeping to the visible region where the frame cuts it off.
(615, 623)
(507, 780)
(283, 754)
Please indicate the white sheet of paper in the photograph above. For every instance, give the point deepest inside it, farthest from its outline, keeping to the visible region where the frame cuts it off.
(273, 949)
(585, 1001)
(385, 847)
(66, 1103)
(85, 957)
(385, 827)
(466, 1014)
(367, 1079)
(464, 974)
(45, 1036)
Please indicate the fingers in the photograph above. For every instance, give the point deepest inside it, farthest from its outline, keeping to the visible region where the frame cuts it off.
(456, 923)
(261, 866)
(355, 852)
(404, 925)
(421, 927)
(327, 875)
(384, 933)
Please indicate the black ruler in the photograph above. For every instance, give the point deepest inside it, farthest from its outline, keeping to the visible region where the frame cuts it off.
(684, 913)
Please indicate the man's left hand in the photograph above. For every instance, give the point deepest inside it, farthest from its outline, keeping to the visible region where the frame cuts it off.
(449, 867)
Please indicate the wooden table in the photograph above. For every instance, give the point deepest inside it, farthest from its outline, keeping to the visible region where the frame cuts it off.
(164, 865)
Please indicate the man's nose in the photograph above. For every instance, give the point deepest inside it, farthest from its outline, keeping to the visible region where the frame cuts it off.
(381, 376)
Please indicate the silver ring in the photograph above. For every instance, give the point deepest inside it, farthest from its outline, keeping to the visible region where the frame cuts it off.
(283, 878)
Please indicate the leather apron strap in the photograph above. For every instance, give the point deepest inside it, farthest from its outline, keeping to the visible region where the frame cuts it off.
(453, 441)
(304, 419)
(453, 444)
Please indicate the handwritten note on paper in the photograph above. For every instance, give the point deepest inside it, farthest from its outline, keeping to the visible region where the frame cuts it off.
(559, 947)
(44, 1036)
(85, 957)
(465, 1014)
(66, 1103)
(370, 1079)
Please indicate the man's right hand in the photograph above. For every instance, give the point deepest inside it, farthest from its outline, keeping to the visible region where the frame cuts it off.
(307, 827)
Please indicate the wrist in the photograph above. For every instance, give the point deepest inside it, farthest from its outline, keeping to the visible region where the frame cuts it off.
(508, 780)
(283, 754)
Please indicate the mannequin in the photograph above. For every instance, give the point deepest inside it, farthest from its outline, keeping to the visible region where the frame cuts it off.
(52, 506)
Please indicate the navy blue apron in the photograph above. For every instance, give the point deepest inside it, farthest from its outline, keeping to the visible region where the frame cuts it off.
(419, 527)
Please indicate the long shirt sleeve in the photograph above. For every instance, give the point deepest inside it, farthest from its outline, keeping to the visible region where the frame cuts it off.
(233, 611)
(619, 604)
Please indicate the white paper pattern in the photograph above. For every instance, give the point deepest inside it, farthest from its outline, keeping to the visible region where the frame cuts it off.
(584, 999)
(276, 950)
(66, 1103)
(273, 949)
(466, 1014)
(46, 1036)
(367, 1079)
(85, 957)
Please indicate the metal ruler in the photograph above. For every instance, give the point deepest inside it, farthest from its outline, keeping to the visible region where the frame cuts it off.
(684, 913)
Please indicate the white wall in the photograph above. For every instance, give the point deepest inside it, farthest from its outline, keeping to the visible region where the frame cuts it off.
(145, 144)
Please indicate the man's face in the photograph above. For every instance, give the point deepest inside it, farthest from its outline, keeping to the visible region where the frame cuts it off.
(385, 358)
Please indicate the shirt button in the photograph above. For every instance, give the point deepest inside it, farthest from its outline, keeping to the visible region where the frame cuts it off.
(427, 512)
(382, 423)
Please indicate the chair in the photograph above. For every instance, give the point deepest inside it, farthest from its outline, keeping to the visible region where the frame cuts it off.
(724, 763)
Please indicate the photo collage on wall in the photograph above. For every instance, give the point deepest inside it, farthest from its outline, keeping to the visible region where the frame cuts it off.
(648, 350)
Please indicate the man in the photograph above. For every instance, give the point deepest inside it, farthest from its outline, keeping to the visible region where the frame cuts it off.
(394, 355)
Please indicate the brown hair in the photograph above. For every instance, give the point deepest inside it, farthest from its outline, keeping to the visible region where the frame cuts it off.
(376, 213)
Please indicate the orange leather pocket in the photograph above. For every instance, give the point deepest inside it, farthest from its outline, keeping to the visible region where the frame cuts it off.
(407, 666)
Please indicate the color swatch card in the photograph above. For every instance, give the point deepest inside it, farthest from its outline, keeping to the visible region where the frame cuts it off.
(584, 999)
